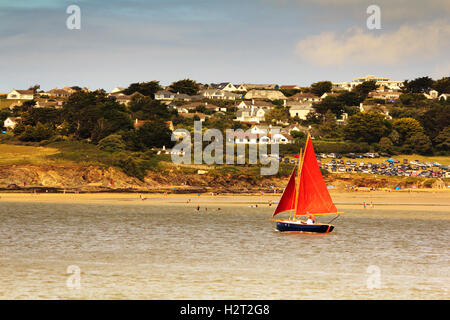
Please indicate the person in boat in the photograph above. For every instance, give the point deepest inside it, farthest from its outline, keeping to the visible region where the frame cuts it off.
(311, 219)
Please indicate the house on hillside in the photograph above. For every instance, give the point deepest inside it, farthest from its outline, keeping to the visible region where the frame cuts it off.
(20, 94)
(378, 108)
(300, 109)
(240, 137)
(49, 104)
(219, 94)
(255, 103)
(249, 86)
(11, 122)
(164, 95)
(251, 115)
(265, 94)
(386, 95)
(224, 86)
(305, 97)
(60, 93)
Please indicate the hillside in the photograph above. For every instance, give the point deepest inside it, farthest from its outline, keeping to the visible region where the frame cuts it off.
(83, 168)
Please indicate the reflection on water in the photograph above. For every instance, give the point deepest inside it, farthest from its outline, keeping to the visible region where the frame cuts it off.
(172, 252)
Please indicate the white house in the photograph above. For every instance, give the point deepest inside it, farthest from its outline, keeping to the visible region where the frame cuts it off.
(240, 137)
(305, 97)
(301, 110)
(21, 94)
(164, 95)
(251, 115)
(218, 94)
(224, 86)
(11, 122)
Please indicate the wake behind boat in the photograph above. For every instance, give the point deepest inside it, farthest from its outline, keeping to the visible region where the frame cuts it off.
(306, 194)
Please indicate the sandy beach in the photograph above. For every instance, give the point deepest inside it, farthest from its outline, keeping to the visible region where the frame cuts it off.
(428, 200)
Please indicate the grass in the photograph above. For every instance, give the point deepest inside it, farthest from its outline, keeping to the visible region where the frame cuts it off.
(14, 154)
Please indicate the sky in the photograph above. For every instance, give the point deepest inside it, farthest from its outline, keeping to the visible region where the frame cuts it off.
(254, 41)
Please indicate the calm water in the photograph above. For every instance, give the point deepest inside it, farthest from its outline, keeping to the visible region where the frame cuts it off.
(150, 252)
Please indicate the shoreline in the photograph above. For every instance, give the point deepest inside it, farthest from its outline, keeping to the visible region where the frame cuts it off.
(429, 201)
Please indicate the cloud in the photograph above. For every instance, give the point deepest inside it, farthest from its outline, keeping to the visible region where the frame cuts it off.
(356, 46)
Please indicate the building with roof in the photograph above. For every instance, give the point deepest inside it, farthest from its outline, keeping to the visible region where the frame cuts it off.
(20, 94)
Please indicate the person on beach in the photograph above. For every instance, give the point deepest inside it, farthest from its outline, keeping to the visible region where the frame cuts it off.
(364, 204)
(198, 208)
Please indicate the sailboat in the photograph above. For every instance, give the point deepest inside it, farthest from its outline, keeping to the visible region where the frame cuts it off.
(306, 194)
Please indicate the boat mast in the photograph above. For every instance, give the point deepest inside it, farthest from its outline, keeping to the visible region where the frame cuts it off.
(297, 181)
(300, 167)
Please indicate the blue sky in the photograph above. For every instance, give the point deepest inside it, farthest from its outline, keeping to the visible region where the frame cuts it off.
(259, 41)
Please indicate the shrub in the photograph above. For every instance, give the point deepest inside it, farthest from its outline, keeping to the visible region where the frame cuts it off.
(112, 143)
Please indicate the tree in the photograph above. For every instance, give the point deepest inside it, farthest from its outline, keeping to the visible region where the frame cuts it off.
(328, 127)
(419, 143)
(406, 127)
(386, 145)
(155, 134)
(366, 126)
(435, 120)
(186, 86)
(349, 98)
(418, 85)
(145, 88)
(277, 114)
(362, 90)
(442, 85)
(144, 108)
(112, 143)
(442, 140)
(92, 115)
(36, 133)
(330, 103)
(319, 88)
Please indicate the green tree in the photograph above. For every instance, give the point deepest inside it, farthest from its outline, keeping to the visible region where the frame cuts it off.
(185, 86)
(386, 145)
(328, 128)
(419, 143)
(435, 119)
(406, 127)
(418, 85)
(112, 143)
(330, 103)
(319, 88)
(442, 140)
(144, 108)
(155, 134)
(366, 126)
(362, 90)
(442, 85)
(145, 88)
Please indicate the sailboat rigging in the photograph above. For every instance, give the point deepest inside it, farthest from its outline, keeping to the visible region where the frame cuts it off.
(306, 194)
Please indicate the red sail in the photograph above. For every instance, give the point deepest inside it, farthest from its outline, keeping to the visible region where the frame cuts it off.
(287, 201)
(313, 193)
